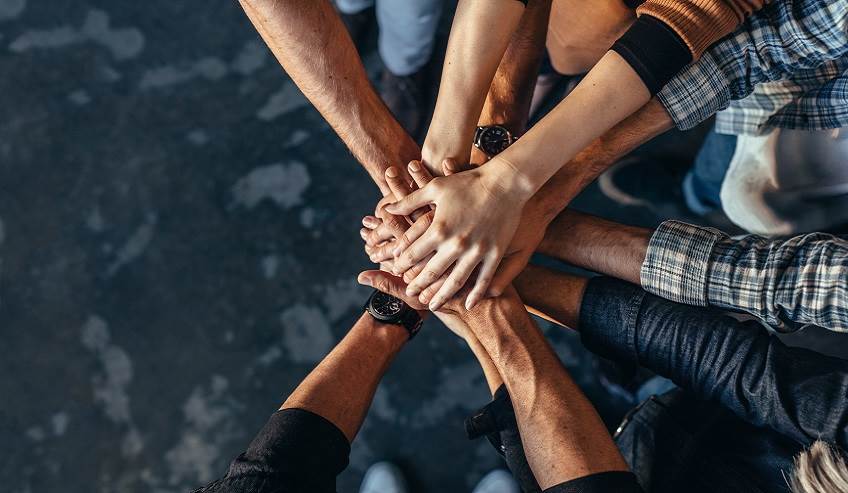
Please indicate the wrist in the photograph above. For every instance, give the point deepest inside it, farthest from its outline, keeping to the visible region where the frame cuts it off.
(389, 338)
(504, 175)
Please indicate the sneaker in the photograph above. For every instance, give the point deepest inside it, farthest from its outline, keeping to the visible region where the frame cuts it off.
(404, 95)
(383, 477)
(497, 481)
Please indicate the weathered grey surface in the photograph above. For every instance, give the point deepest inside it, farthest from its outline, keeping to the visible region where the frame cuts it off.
(178, 247)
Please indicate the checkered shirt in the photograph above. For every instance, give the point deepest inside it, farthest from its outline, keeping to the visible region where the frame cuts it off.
(785, 67)
(787, 283)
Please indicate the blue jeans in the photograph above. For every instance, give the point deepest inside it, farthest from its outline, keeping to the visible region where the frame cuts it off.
(407, 30)
(702, 185)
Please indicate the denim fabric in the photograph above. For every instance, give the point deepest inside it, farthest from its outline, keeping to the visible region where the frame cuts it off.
(702, 185)
(798, 393)
(407, 30)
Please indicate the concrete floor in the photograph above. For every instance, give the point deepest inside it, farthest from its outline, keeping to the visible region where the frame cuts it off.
(178, 248)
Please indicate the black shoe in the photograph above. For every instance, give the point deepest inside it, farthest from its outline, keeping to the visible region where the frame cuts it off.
(358, 24)
(405, 98)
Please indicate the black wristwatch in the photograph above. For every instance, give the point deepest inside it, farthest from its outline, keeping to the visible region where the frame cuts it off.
(492, 139)
(390, 310)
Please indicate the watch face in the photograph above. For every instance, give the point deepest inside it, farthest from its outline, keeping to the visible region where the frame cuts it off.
(494, 140)
(386, 307)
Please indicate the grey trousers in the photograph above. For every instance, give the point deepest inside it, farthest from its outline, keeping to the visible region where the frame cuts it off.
(407, 30)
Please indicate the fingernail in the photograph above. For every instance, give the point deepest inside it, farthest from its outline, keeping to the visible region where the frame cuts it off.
(368, 222)
(414, 167)
(363, 279)
(396, 252)
(469, 303)
(373, 258)
(434, 305)
(363, 233)
(392, 172)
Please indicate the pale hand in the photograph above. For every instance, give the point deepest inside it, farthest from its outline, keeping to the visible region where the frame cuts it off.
(477, 214)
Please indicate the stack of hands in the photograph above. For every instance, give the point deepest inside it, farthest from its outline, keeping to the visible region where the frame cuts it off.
(441, 233)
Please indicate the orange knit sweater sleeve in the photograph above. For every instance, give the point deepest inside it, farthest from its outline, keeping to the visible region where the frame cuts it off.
(700, 23)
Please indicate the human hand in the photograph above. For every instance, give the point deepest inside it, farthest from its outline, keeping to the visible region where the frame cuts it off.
(382, 230)
(529, 235)
(477, 214)
(394, 286)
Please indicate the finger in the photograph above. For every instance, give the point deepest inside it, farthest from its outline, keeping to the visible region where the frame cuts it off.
(416, 269)
(456, 280)
(451, 167)
(389, 284)
(412, 234)
(388, 230)
(414, 253)
(431, 291)
(507, 271)
(397, 184)
(437, 266)
(484, 278)
(415, 200)
(419, 173)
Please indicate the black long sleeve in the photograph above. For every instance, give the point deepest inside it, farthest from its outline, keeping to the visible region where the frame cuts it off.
(796, 392)
(296, 452)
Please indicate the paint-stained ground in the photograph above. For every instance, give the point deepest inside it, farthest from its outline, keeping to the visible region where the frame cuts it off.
(178, 247)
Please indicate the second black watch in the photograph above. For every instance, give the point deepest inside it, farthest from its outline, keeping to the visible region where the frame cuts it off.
(388, 309)
(492, 139)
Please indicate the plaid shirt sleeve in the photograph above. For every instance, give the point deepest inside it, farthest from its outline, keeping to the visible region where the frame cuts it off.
(773, 44)
(787, 283)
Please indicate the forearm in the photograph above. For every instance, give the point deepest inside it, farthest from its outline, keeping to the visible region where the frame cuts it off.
(597, 245)
(479, 36)
(552, 295)
(648, 122)
(562, 434)
(508, 100)
(612, 85)
(312, 45)
(341, 387)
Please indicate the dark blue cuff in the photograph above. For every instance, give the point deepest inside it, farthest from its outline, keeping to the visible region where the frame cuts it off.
(608, 317)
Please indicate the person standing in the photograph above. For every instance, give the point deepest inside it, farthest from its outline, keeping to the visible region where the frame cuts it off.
(405, 43)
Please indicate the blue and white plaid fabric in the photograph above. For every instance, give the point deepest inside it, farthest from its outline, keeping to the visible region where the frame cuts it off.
(786, 283)
(791, 57)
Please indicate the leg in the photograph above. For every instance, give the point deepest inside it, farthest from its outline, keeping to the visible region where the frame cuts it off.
(407, 33)
(353, 6)
(702, 185)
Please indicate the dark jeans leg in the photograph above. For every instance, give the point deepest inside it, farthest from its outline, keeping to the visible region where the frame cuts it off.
(702, 185)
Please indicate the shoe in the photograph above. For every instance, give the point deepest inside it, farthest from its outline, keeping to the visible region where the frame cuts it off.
(358, 24)
(404, 95)
(383, 477)
(497, 481)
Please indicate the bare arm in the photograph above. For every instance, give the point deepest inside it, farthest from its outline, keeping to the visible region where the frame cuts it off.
(341, 387)
(598, 245)
(479, 36)
(508, 100)
(311, 43)
(563, 436)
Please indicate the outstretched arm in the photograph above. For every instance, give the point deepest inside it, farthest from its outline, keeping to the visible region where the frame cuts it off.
(786, 282)
(311, 43)
(564, 439)
(306, 444)
(479, 36)
(799, 393)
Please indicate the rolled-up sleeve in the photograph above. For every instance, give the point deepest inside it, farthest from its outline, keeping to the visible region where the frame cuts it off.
(787, 283)
(782, 38)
